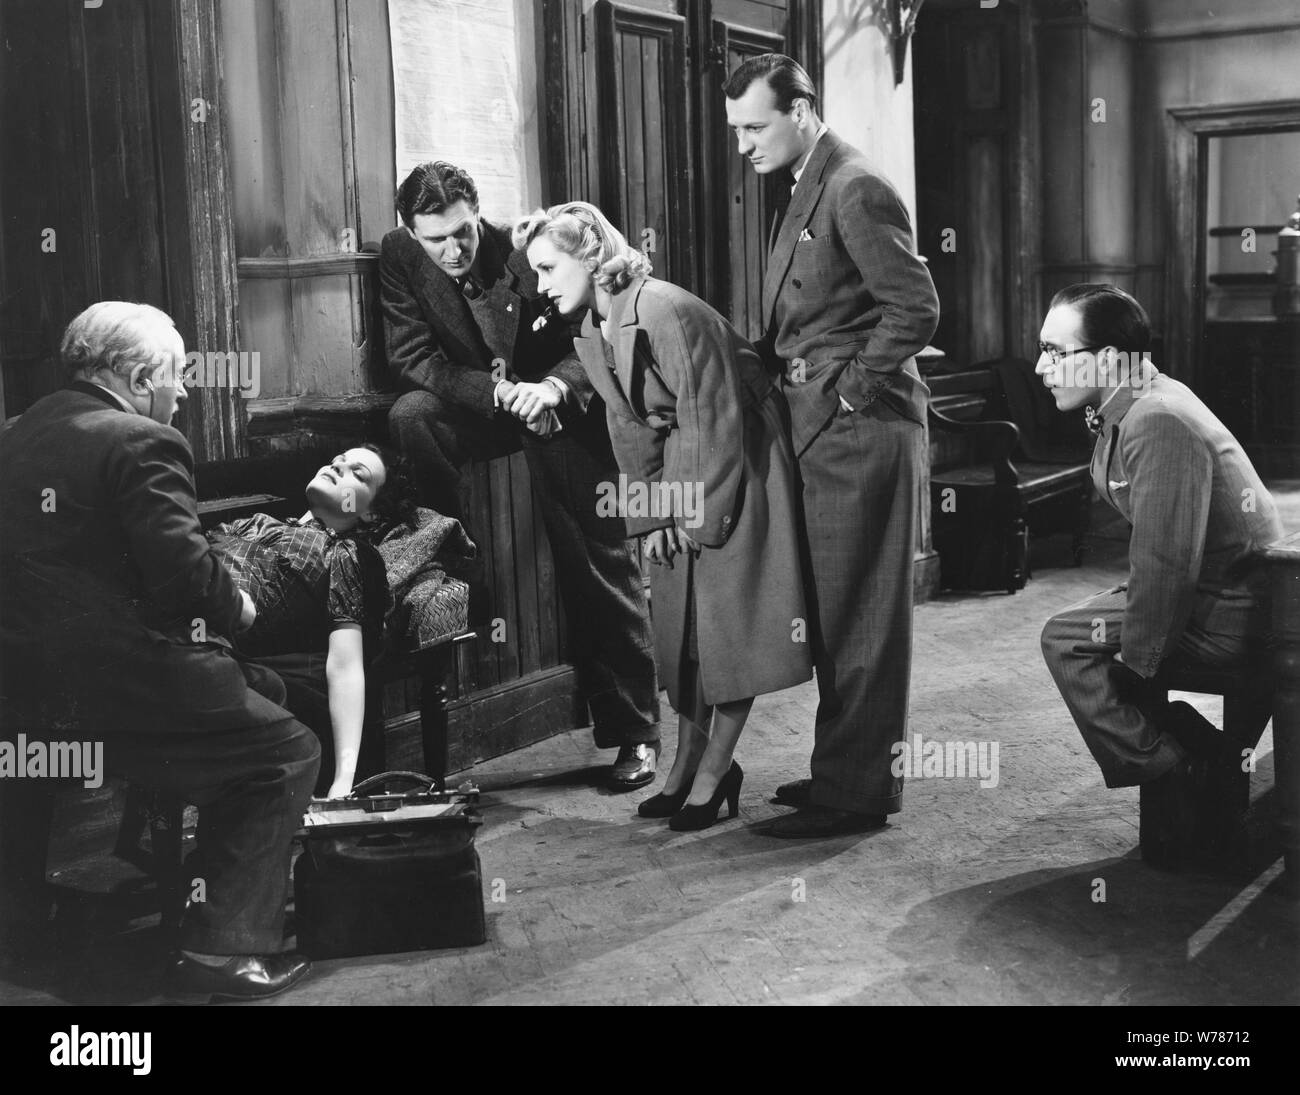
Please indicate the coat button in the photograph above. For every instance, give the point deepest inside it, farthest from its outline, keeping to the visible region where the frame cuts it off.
(797, 283)
(726, 520)
(796, 330)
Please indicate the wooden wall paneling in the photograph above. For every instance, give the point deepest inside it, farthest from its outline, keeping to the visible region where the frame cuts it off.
(1063, 91)
(264, 305)
(199, 249)
(645, 125)
(740, 255)
(984, 248)
(524, 534)
(504, 564)
(1111, 161)
(316, 212)
(635, 195)
(548, 594)
(250, 101)
(486, 671)
(757, 15)
(324, 325)
(43, 185)
(1026, 302)
(311, 127)
(370, 83)
(562, 133)
(123, 168)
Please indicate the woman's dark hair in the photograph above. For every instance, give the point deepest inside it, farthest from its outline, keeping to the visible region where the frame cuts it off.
(394, 502)
(1108, 316)
(433, 187)
(784, 75)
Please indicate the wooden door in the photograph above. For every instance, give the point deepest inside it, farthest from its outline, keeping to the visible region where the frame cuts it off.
(971, 170)
(745, 197)
(639, 128)
(113, 186)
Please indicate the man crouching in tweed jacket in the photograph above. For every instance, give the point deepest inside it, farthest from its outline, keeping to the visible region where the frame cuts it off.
(1198, 512)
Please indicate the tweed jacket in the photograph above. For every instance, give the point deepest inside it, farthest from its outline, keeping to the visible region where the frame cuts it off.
(1196, 504)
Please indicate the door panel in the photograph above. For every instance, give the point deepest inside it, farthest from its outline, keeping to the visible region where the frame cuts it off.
(638, 126)
(646, 164)
(747, 196)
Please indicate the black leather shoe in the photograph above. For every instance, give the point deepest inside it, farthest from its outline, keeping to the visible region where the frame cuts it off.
(634, 766)
(1198, 735)
(690, 819)
(1167, 816)
(818, 821)
(665, 805)
(797, 793)
(243, 977)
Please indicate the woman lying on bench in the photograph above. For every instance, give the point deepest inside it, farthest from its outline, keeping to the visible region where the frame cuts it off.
(322, 594)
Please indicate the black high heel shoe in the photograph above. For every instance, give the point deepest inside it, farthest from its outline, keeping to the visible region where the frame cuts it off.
(690, 818)
(665, 805)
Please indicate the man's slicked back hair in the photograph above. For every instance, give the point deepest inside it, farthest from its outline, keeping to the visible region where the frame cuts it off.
(784, 75)
(433, 187)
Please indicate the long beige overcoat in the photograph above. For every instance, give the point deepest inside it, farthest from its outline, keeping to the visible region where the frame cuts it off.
(701, 438)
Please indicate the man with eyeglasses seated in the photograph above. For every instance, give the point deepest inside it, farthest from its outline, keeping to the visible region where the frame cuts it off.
(1198, 512)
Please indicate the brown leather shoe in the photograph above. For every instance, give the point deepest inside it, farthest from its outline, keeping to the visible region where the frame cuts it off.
(635, 766)
(243, 977)
(822, 821)
(796, 793)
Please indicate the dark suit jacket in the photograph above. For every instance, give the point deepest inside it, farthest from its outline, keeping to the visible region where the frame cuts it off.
(435, 344)
(104, 570)
(1197, 507)
(846, 294)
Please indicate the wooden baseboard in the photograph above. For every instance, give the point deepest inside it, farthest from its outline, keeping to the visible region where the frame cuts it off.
(494, 721)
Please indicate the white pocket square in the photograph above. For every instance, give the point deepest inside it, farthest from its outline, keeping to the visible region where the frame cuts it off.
(1118, 485)
(805, 236)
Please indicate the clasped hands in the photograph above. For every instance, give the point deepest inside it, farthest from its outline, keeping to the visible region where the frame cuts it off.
(533, 404)
(663, 543)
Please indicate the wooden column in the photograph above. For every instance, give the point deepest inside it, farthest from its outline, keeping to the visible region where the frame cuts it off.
(204, 290)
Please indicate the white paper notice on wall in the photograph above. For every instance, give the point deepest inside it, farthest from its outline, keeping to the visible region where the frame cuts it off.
(458, 94)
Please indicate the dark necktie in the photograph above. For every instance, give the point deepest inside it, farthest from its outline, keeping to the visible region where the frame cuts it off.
(784, 186)
(1093, 420)
(469, 288)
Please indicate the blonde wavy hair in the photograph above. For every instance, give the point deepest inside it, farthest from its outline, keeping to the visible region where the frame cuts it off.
(583, 231)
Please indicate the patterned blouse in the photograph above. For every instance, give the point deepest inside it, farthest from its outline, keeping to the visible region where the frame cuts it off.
(304, 578)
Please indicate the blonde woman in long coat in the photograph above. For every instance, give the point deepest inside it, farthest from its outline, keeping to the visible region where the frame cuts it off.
(708, 480)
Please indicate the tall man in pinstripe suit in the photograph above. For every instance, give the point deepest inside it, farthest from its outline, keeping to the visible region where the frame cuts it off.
(848, 303)
(1198, 512)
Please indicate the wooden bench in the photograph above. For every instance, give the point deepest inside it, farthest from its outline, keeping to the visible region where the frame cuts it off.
(1267, 686)
(1024, 472)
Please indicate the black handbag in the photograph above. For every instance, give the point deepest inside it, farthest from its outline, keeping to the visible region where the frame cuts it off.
(390, 872)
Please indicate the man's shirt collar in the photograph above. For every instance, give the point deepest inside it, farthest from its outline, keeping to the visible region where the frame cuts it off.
(803, 162)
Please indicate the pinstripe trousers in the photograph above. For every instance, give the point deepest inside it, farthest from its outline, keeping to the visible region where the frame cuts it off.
(1079, 646)
(859, 479)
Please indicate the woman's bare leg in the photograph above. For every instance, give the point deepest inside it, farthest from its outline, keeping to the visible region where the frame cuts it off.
(728, 722)
(691, 741)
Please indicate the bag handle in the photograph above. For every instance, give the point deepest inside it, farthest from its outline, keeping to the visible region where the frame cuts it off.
(419, 779)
